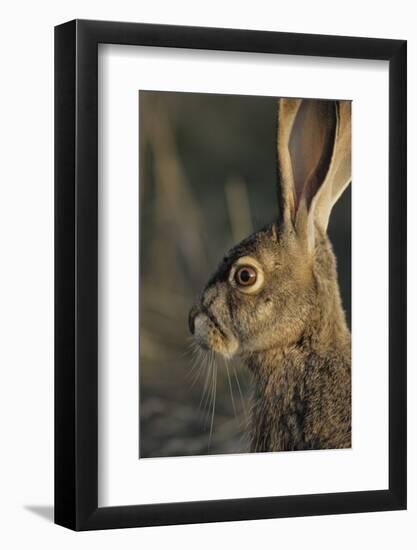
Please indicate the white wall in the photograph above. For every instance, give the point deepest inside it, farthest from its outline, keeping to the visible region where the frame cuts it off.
(26, 275)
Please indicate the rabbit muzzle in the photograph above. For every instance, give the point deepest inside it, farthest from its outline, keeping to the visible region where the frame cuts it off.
(209, 333)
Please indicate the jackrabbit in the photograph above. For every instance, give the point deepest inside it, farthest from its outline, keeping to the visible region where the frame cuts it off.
(275, 300)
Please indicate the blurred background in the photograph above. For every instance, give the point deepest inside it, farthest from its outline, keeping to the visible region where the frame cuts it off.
(207, 180)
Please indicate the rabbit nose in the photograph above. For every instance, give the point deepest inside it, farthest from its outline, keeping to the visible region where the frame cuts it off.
(191, 317)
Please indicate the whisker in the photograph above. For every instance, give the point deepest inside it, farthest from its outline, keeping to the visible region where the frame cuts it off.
(214, 406)
(205, 392)
(240, 391)
(209, 400)
(230, 387)
(192, 348)
(195, 376)
(206, 362)
(196, 365)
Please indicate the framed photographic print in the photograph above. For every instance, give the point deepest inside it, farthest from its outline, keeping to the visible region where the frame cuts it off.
(230, 252)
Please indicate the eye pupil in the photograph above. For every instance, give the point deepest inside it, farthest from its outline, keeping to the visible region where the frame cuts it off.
(246, 276)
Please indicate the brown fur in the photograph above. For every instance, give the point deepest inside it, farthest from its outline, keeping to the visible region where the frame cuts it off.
(302, 394)
(291, 332)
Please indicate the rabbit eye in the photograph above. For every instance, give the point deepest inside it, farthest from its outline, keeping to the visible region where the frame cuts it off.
(246, 276)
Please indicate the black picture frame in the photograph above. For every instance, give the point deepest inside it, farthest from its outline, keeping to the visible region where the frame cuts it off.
(76, 272)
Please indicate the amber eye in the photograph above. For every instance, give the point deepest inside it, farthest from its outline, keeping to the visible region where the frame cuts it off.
(246, 276)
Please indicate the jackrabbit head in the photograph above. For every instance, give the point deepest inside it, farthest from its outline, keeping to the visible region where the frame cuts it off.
(266, 288)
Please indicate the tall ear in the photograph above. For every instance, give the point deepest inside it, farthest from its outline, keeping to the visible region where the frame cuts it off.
(287, 112)
(339, 174)
(313, 145)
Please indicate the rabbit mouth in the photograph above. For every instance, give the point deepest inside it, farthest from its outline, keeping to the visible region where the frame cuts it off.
(210, 335)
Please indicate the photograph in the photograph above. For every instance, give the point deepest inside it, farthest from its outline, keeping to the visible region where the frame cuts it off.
(209, 262)
(245, 274)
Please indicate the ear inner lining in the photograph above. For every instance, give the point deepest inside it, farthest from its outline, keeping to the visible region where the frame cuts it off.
(311, 147)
